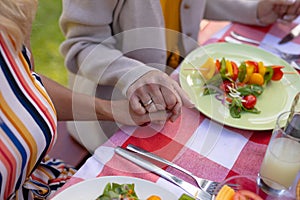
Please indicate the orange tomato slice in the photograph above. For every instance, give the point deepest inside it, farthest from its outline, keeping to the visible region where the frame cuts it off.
(256, 78)
(154, 197)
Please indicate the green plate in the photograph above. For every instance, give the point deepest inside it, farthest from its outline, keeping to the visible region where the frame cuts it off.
(276, 98)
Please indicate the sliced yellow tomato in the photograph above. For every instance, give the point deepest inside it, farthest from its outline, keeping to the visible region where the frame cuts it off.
(249, 72)
(229, 69)
(252, 63)
(208, 69)
(261, 68)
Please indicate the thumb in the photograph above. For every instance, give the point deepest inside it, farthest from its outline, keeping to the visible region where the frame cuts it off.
(184, 97)
(158, 117)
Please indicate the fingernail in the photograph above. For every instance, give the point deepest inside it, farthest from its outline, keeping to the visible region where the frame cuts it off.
(290, 1)
(288, 17)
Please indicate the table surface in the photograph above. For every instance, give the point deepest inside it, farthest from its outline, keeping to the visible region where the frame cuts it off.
(206, 148)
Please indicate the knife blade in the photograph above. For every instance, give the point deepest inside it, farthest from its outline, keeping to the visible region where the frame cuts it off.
(295, 32)
(189, 188)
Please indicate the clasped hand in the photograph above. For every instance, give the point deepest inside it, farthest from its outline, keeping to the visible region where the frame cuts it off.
(268, 11)
(156, 92)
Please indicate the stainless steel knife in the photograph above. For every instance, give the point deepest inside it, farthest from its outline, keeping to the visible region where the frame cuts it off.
(295, 32)
(189, 188)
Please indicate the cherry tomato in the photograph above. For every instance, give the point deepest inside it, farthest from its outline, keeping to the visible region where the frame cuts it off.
(249, 71)
(277, 73)
(249, 101)
(249, 195)
(235, 70)
(218, 66)
(225, 85)
(238, 196)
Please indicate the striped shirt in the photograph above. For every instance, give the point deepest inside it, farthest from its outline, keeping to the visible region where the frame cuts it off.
(27, 120)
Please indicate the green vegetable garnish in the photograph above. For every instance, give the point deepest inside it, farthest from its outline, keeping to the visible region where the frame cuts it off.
(118, 191)
(268, 74)
(186, 197)
(242, 72)
(256, 90)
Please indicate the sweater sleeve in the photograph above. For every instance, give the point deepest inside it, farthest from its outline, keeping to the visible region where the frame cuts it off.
(243, 11)
(90, 49)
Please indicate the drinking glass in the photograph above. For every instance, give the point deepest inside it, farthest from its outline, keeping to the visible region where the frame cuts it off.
(281, 162)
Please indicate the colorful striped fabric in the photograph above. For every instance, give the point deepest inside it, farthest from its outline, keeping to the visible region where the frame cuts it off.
(27, 124)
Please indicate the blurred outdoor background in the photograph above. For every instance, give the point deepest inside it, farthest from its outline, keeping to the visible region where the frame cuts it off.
(47, 37)
(45, 40)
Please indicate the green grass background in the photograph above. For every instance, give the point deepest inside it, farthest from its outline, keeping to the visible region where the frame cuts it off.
(45, 41)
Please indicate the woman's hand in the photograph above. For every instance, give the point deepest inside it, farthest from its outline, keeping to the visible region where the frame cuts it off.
(156, 91)
(122, 112)
(268, 11)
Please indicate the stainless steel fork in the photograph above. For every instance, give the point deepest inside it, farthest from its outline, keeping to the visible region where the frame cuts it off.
(206, 185)
(284, 55)
(195, 192)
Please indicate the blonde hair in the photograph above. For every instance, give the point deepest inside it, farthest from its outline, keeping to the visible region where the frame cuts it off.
(16, 17)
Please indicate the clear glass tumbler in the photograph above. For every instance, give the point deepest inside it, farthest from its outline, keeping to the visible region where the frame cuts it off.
(281, 162)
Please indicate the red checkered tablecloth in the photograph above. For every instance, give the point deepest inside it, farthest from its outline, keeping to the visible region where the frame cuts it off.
(206, 148)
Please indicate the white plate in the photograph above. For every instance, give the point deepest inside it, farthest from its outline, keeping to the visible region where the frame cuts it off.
(276, 98)
(90, 189)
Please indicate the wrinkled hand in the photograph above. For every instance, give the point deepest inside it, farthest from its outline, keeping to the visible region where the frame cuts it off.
(156, 91)
(268, 11)
(122, 112)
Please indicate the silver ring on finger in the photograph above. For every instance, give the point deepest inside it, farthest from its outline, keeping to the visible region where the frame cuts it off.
(148, 103)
